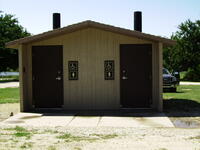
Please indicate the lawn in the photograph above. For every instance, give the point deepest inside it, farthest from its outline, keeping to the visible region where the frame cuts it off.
(9, 78)
(187, 98)
(9, 95)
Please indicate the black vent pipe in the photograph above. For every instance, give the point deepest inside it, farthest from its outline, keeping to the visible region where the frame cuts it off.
(138, 21)
(56, 20)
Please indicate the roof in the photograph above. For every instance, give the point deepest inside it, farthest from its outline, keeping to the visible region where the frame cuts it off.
(87, 24)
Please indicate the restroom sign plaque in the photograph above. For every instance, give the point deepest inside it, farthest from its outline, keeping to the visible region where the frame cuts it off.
(73, 70)
(109, 69)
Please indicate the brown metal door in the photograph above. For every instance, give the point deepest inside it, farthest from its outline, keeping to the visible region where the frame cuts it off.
(47, 76)
(136, 75)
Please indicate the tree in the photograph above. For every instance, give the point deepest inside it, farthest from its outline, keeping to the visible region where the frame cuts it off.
(9, 30)
(185, 55)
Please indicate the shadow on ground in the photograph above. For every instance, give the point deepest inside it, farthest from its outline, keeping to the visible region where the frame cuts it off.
(110, 113)
(170, 91)
(7, 81)
(183, 113)
(172, 108)
(181, 108)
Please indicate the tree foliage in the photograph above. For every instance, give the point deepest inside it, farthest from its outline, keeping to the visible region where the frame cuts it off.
(185, 55)
(9, 30)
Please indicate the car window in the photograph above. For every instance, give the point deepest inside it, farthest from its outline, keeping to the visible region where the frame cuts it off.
(165, 71)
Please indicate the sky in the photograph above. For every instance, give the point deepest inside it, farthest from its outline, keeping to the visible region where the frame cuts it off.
(159, 17)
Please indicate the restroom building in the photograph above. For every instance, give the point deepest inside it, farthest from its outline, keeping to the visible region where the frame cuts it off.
(91, 66)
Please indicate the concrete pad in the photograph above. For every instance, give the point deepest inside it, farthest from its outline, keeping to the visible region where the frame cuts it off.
(53, 120)
(136, 122)
(85, 121)
(36, 119)
(50, 121)
(118, 122)
(154, 122)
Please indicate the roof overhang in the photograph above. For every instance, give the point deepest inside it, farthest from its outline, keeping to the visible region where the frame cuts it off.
(89, 24)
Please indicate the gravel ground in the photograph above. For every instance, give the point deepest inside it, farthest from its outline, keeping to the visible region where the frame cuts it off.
(98, 138)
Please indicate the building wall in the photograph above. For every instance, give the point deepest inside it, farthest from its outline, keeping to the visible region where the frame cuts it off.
(90, 47)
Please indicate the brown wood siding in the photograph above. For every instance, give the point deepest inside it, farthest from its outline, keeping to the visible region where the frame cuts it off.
(21, 78)
(24, 79)
(157, 76)
(160, 75)
(91, 47)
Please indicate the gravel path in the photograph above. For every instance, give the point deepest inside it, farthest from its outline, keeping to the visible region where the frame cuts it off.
(9, 84)
(189, 83)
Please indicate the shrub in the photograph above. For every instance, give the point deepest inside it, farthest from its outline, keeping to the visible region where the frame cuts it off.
(193, 74)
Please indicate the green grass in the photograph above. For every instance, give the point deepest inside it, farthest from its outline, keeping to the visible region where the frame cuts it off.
(20, 132)
(71, 138)
(23, 133)
(65, 136)
(91, 138)
(26, 145)
(196, 137)
(19, 129)
(191, 92)
(182, 75)
(187, 98)
(105, 136)
(51, 148)
(9, 78)
(9, 95)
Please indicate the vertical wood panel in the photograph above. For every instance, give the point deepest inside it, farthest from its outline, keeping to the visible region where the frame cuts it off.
(154, 74)
(157, 77)
(21, 82)
(29, 75)
(24, 70)
(160, 77)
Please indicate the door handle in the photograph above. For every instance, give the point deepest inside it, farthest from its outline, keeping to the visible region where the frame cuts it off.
(124, 78)
(58, 78)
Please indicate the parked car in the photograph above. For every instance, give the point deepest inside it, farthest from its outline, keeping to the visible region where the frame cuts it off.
(177, 75)
(170, 81)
